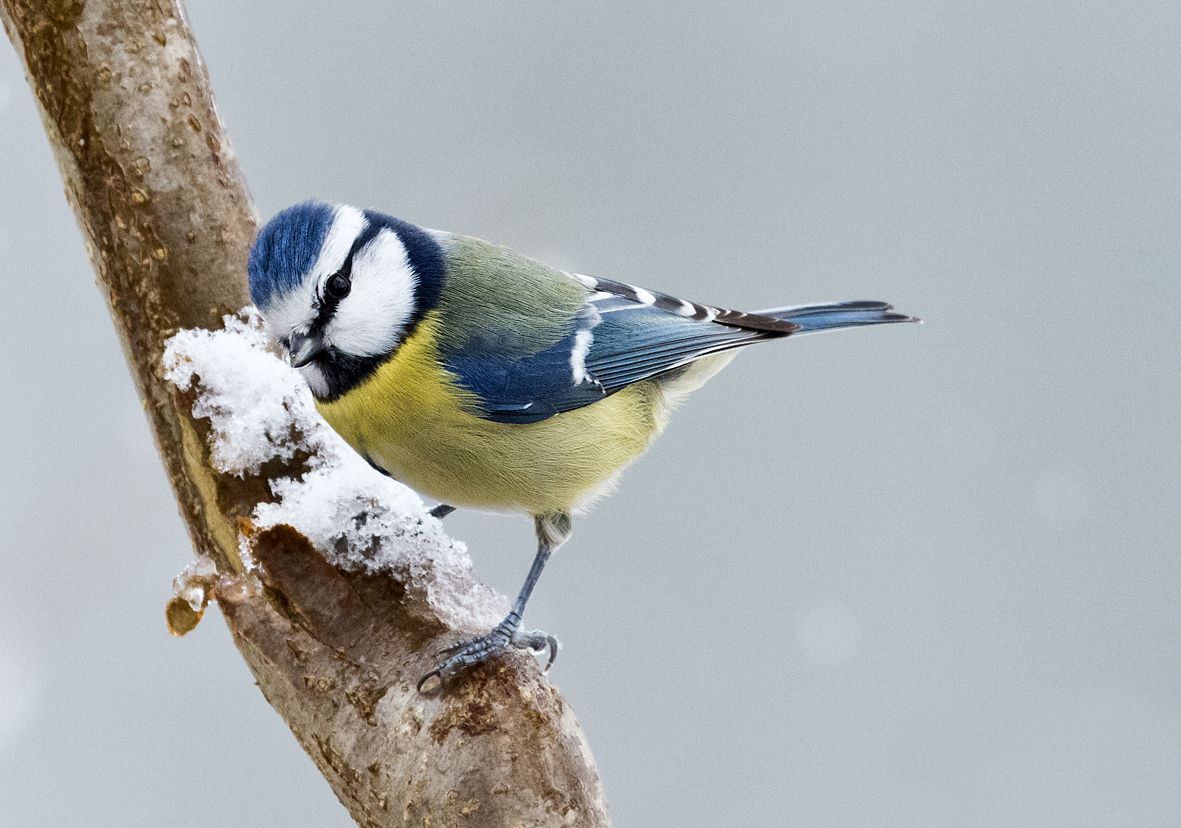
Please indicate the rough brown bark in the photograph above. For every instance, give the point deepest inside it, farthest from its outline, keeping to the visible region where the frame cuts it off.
(167, 221)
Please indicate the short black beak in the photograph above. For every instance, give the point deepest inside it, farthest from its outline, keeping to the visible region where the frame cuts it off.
(303, 349)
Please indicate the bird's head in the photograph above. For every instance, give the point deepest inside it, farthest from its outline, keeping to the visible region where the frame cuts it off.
(341, 288)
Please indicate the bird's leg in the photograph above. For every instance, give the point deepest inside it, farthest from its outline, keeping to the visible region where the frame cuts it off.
(441, 511)
(552, 531)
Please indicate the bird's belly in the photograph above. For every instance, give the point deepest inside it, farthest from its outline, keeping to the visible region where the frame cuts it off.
(438, 448)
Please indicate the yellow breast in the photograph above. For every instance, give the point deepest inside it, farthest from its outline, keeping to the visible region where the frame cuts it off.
(412, 419)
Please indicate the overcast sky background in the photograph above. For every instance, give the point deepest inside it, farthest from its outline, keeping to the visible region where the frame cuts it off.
(906, 576)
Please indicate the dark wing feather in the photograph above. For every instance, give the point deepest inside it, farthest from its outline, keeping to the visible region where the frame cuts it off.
(689, 310)
(622, 335)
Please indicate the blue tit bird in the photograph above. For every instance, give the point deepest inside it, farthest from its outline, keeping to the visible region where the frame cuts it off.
(485, 379)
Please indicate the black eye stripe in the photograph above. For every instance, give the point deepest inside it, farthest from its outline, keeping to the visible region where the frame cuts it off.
(363, 238)
(327, 301)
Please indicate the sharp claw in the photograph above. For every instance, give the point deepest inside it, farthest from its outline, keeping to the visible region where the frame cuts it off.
(435, 673)
(554, 645)
(472, 651)
(539, 642)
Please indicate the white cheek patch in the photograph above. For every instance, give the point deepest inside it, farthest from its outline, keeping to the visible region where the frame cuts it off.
(370, 319)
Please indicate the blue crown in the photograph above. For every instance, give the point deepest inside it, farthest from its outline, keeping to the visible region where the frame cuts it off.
(286, 249)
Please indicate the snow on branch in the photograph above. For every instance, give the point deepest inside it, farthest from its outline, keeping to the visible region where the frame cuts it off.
(260, 410)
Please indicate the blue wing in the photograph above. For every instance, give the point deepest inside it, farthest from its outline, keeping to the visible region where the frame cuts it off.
(621, 335)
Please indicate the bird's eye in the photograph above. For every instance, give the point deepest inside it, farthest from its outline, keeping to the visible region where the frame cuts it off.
(338, 286)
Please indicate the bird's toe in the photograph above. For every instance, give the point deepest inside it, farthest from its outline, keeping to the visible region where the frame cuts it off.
(472, 651)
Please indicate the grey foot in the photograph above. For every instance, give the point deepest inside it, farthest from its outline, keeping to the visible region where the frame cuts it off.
(441, 511)
(473, 651)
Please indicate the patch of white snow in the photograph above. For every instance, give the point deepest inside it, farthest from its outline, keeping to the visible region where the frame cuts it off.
(261, 409)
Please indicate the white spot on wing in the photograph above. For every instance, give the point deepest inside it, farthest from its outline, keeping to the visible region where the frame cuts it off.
(586, 281)
(644, 296)
(582, 344)
(599, 296)
(686, 308)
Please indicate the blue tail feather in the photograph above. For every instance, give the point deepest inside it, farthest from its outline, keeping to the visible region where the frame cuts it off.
(833, 315)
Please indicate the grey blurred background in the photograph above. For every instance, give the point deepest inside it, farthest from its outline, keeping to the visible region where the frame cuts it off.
(908, 576)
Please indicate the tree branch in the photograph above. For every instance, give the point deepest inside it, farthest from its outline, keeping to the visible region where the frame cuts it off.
(167, 221)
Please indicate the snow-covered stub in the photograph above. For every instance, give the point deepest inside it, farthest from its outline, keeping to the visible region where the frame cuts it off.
(259, 410)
